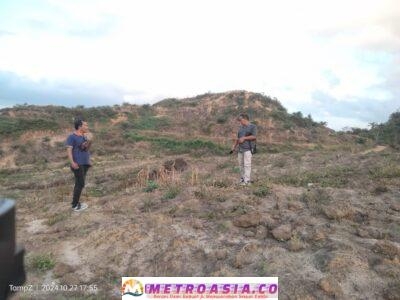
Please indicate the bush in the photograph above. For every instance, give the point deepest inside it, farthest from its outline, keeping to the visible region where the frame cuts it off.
(147, 123)
(171, 193)
(151, 186)
(15, 127)
(262, 191)
(222, 119)
(388, 171)
(43, 262)
(173, 146)
(331, 177)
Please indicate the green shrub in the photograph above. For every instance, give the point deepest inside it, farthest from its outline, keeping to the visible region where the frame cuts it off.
(174, 146)
(43, 262)
(220, 184)
(171, 193)
(148, 205)
(331, 177)
(388, 171)
(15, 127)
(151, 186)
(222, 119)
(262, 191)
(147, 123)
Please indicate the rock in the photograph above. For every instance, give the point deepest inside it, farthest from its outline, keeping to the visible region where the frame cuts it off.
(395, 206)
(336, 212)
(330, 286)
(295, 206)
(221, 254)
(386, 248)
(283, 232)
(361, 232)
(247, 220)
(239, 261)
(178, 164)
(295, 244)
(311, 221)
(249, 233)
(268, 221)
(261, 233)
(62, 269)
(196, 224)
(247, 255)
(318, 235)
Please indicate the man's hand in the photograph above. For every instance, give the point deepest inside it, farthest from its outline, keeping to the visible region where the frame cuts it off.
(89, 136)
(241, 140)
(74, 166)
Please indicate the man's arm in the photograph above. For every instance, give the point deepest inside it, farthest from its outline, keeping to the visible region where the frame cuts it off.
(74, 165)
(235, 145)
(251, 136)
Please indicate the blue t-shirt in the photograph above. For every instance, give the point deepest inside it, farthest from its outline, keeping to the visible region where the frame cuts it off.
(80, 151)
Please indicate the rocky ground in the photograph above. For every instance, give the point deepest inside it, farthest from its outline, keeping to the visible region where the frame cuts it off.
(325, 221)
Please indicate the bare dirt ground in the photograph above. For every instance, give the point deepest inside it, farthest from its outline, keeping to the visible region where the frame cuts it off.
(326, 222)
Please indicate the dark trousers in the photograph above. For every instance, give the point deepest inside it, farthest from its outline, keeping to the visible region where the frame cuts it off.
(80, 176)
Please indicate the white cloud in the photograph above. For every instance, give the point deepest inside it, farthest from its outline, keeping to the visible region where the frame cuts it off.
(286, 49)
(339, 123)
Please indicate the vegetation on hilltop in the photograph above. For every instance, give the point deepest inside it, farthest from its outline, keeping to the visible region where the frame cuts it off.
(383, 133)
(22, 118)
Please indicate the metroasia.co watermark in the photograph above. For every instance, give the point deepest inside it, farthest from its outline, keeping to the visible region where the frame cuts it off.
(199, 288)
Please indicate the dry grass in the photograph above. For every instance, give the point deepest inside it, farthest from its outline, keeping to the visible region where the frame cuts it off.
(193, 216)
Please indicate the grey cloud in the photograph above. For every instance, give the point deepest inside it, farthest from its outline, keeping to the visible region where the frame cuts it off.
(5, 33)
(18, 90)
(367, 110)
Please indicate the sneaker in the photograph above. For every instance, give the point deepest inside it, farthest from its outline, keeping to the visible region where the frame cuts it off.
(80, 207)
(241, 181)
(244, 183)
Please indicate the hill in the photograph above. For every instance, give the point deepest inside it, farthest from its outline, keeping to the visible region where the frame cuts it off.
(322, 213)
(194, 125)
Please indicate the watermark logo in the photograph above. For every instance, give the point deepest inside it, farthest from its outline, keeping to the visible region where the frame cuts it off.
(131, 287)
(199, 288)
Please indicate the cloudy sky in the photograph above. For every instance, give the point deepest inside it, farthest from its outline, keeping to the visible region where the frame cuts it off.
(337, 60)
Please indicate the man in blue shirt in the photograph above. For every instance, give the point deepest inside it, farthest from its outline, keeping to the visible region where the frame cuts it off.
(78, 146)
(246, 138)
